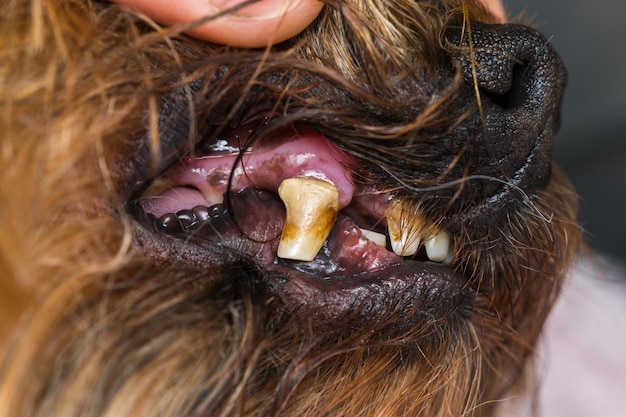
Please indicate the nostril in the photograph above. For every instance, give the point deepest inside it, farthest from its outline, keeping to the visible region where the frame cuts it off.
(516, 95)
(513, 65)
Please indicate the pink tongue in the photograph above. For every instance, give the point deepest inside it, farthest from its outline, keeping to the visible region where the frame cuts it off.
(302, 152)
(173, 201)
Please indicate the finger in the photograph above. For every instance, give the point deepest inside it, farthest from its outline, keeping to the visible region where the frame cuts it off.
(256, 25)
(496, 7)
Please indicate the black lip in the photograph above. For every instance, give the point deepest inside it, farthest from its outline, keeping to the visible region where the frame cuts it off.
(400, 299)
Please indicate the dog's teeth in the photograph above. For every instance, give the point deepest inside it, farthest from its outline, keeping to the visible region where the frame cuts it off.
(403, 242)
(438, 247)
(377, 238)
(403, 231)
(312, 206)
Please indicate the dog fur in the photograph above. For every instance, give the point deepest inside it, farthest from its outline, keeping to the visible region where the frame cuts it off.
(101, 318)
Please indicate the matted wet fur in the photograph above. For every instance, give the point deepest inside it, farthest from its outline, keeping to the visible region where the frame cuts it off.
(103, 317)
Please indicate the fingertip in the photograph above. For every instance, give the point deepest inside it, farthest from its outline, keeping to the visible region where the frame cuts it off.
(257, 25)
(262, 24)
(497, 9)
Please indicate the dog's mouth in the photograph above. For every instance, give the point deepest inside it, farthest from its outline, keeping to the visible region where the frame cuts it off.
(329, 239)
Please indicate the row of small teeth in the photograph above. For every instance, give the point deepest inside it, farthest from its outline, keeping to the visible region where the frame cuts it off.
(312, 205)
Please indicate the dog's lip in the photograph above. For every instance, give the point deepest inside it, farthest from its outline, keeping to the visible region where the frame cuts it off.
(404, 294)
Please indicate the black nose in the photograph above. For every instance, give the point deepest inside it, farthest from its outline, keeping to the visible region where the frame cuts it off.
(520, 80)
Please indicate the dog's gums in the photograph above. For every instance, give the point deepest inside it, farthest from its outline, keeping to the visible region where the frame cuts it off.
(363, 220)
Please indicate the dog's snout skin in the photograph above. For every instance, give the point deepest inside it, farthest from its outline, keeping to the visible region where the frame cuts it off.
(520, 79)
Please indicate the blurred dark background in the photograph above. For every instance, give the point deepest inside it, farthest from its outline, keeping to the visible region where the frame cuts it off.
(590, 35)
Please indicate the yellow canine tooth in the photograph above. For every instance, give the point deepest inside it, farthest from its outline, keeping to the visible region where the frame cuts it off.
(403, 228)
(311, 207)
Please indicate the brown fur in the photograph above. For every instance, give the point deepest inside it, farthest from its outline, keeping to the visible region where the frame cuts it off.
(92, 324)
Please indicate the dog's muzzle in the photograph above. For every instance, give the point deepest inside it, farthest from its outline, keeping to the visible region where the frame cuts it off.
(351, 226)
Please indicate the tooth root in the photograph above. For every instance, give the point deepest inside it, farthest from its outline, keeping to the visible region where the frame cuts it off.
(158, 187)
(438, 247)
(403, 234)
(312, 206)
(377, 238)
(213, 198)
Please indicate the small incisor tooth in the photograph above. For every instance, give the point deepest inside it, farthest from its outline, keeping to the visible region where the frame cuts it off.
(377, 238)
(438, 247)
(312, 206)
(403, 230)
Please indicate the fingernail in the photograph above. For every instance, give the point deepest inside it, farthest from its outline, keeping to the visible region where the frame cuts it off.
(259, 10)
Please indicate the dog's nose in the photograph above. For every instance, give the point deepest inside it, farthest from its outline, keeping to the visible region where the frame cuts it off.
(520, 80)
